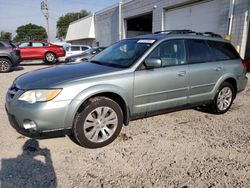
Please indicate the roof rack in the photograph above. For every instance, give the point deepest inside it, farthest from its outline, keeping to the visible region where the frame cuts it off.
(186, 31)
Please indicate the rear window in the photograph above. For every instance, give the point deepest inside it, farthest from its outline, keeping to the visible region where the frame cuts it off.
(75, 48)
(198, 51)
(223, 50)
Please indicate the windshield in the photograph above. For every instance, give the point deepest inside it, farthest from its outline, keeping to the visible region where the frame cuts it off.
(124, 53)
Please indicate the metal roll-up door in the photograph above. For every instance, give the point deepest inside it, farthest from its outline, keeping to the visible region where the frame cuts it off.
(200, 17)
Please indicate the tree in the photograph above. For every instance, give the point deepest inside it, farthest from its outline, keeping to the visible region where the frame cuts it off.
(64, 21)
(30, 32)
(5, 35)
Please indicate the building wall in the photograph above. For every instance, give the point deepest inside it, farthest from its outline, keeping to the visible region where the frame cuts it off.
(106, 22)
(106, 26)
(241, 6)
(89, 42)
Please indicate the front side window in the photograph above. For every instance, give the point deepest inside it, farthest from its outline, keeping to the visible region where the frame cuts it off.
(171, 53)
(124, 53)
(198, 51)
(223, 50)
(25, 44)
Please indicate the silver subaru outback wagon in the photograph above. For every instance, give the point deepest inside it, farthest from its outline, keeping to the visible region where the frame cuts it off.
(134, 78)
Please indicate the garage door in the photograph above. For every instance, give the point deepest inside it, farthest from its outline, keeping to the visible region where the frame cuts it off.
(202, 17)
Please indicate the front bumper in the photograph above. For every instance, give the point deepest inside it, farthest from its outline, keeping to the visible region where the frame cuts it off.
(49, 117)
(15, 59)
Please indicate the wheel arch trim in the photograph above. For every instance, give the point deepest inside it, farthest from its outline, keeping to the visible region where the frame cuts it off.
(221, 80)
(97, 90)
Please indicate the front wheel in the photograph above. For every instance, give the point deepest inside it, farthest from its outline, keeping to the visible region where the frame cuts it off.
(98, 123)
(50, 57)
(223, 99)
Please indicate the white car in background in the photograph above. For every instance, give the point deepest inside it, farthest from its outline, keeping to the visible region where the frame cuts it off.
(75, 49)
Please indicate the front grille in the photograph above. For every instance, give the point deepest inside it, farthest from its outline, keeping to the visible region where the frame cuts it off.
(13, 90)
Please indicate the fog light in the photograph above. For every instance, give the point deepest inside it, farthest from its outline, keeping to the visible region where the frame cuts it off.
(28, 124)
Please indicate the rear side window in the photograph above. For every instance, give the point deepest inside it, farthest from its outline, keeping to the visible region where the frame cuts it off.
(198, 51)
(37, 44)
(75, 48)
(1, 45)
(84, 48)
(223, 50)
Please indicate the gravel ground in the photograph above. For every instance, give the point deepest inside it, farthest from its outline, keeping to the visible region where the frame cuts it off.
(182, 149)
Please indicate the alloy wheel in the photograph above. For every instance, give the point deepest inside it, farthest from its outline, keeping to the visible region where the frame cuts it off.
(224, 98)
(4, 66)
(50, 57)
(100, 124)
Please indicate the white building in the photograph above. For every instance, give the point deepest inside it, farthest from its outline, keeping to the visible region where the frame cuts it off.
(135, 17)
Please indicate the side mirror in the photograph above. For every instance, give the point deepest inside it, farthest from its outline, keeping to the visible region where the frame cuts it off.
(153, 63)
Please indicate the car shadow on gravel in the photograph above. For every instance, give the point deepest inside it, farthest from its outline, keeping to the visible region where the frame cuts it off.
(17, 68)
(33, 168)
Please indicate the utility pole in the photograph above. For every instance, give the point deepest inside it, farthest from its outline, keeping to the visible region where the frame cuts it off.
(45, 11)
(120, 20)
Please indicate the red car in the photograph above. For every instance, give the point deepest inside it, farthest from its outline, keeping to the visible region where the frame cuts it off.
(41, 50)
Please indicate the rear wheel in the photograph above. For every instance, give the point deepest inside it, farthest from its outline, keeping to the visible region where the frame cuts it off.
(223, 99)
(50, 57)
(5, 65)
(98, 124)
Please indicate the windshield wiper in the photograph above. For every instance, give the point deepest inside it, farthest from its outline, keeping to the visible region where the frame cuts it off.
(108, 64)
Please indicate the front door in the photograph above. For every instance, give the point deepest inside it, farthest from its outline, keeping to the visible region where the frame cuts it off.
(165, 87)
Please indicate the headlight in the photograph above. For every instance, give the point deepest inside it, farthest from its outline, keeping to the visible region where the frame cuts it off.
(41, 95)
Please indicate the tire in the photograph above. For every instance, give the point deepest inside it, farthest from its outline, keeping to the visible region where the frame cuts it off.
(5, 65)
(223, 99)
(50, 57)
(98, 123)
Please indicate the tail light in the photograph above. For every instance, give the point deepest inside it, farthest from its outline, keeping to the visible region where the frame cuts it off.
(244, 63)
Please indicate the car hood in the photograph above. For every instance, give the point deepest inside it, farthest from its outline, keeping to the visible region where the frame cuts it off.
(51, 77)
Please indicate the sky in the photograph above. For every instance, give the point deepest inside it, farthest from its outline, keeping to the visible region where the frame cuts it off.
(15, 13)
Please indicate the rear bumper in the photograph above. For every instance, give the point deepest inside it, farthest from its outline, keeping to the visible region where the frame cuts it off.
(15, 60)
(242, 83)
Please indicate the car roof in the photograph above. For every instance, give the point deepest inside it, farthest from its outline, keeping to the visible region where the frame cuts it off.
(32, 41)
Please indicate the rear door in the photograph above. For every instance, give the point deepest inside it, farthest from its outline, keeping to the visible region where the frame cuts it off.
(38, 50)
(205, 71)
(165, 87)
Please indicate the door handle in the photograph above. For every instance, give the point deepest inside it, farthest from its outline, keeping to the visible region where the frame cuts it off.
(218, 68)
(182, 73)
